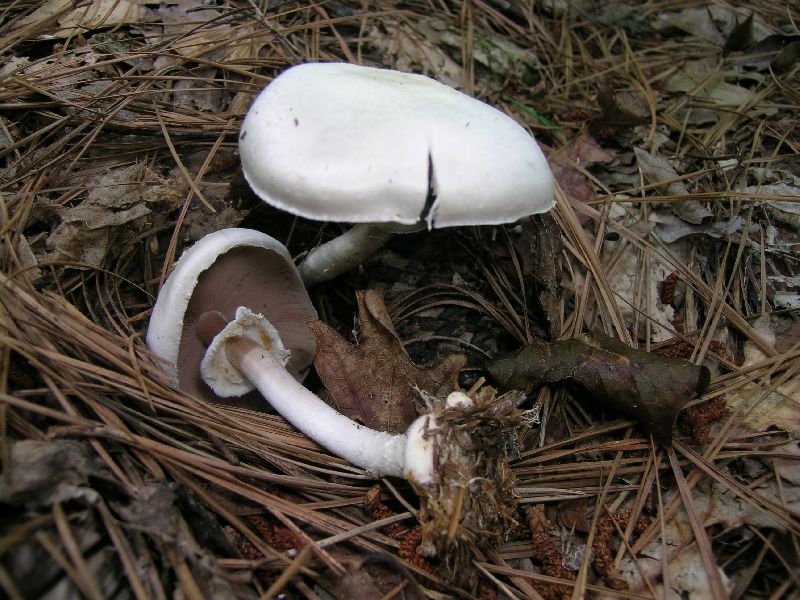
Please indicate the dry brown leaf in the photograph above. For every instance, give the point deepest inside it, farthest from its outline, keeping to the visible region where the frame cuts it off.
(375, 382)
(657, 169)
(84, 17)
(615, 116)
(583, 151)
(647, 387)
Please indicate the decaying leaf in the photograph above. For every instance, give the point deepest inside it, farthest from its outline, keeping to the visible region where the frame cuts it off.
(670, 228)
(640, 303)
(42, 473)
(418, 49)
(583, 151)
(709, 22)
(429, 45)
(742, 36)
(375, 381)
(713, 91)
(715, 506)
(657, 169)
(189, 23)
(614, 115)
(45, 478)
(77, 19)
(115, 204)
(779, 408)
(649, 388)
(24, 258)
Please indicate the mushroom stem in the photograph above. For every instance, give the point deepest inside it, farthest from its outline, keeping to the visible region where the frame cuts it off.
(376, 451)
(343, 253)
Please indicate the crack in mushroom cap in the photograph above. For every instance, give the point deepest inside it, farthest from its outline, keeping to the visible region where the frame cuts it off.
(224, 270)
(341, 142)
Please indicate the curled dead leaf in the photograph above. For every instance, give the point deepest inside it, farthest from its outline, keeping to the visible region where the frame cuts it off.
(649, 388)
(374, 381)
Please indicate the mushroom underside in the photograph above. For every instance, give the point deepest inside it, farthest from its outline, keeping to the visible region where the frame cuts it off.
(257, 278)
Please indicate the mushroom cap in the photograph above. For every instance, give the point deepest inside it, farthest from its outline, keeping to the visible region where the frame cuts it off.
(221, 272)
(341, 142)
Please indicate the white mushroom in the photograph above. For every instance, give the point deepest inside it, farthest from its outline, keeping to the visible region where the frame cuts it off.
(456, 457)
(230, 274)
(248, 352)
(225, 270)
(386, 149)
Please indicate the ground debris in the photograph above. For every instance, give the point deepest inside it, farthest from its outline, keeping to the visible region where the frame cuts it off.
(118, 136)
(375, 381)
(649, 388)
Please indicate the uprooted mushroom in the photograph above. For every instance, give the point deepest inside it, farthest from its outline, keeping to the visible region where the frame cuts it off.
(227, 269)
(388, 151)
(454, 455)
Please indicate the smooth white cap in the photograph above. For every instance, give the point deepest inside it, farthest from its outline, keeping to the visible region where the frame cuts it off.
(341, 142)
(249, 268)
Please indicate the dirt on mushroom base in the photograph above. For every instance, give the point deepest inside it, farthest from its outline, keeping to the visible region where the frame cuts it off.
(471, 505)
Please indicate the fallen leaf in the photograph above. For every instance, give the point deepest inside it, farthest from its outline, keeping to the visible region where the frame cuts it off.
(582, 151)
(656, 169)
(786, 211)
(429, 44)
(778, 408)
(88, 16)
(641, 303)
(24, 258)
(697, 22)
(114, 206)
(42, 473)
(715, 506)
(197, 31)
(751, 351)
(786, 466)
(787, 58)
(773, 44)
(670, 228)
(775, 51)
(614, 116)
(417, 49)
(787, 338)
(713, 92)
(375, 381)
(742, 36)
(709, 21)
(649, 388)
(188, 94)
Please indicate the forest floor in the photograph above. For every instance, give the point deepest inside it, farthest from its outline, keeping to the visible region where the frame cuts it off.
(671, 130)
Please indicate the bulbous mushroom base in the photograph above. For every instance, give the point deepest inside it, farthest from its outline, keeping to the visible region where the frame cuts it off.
(470, 503)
